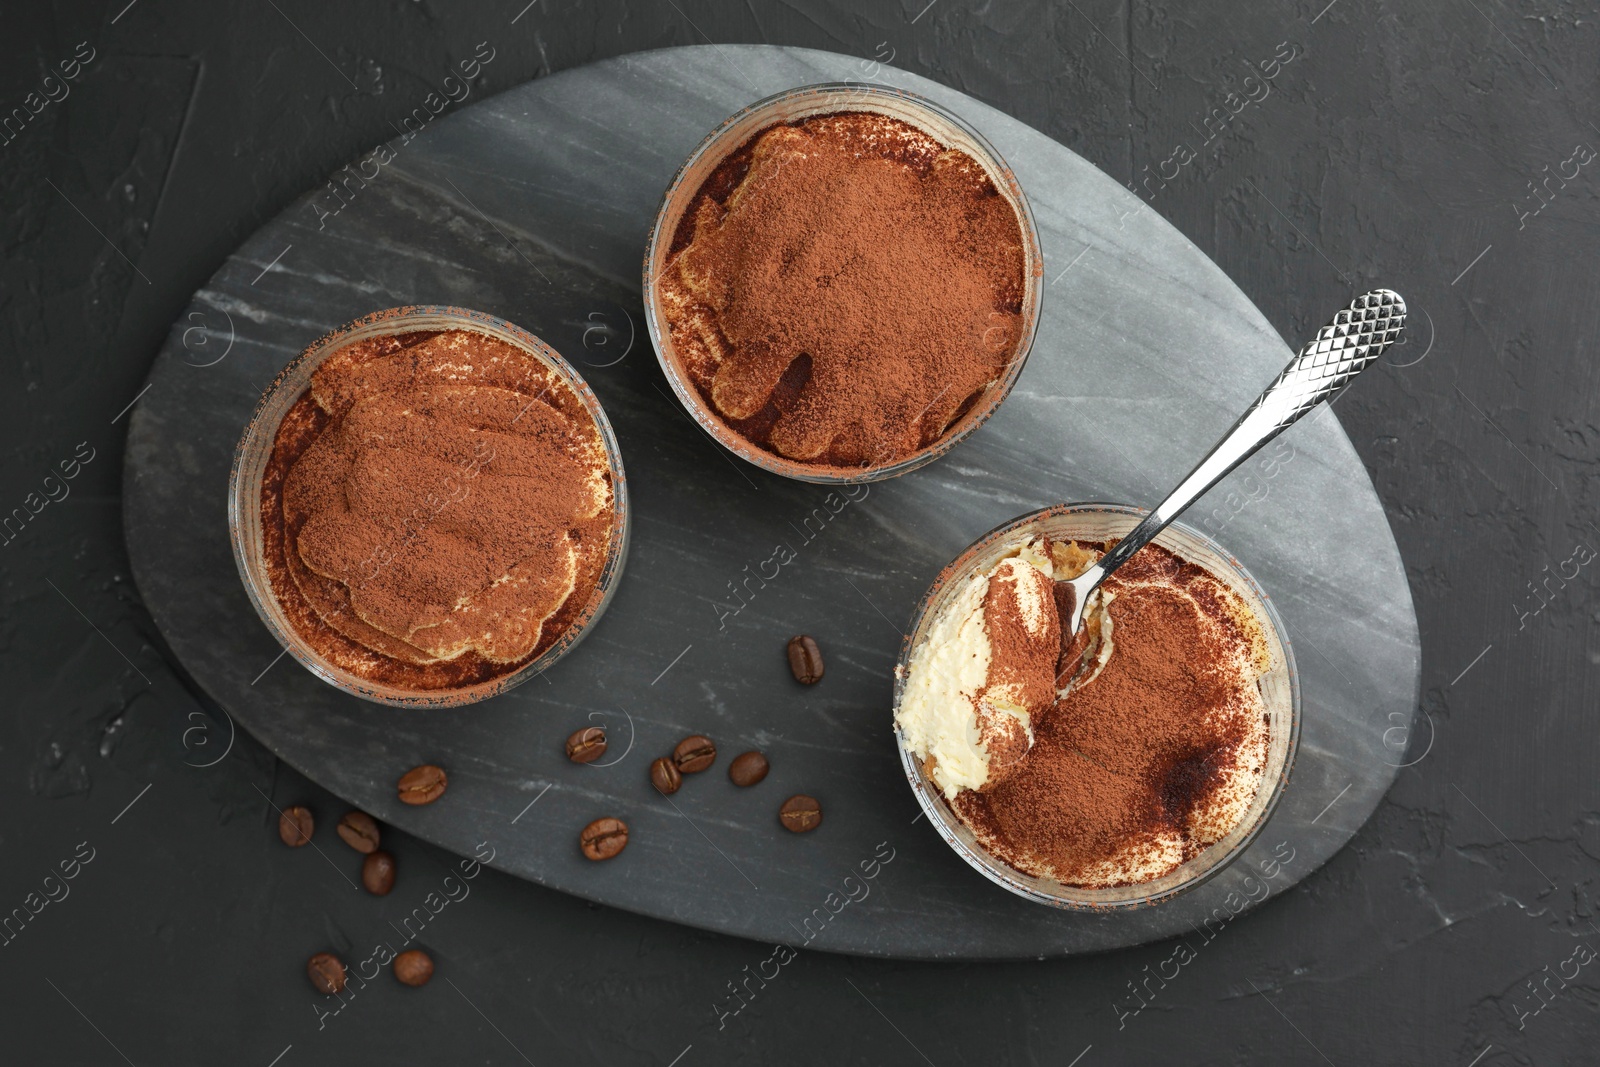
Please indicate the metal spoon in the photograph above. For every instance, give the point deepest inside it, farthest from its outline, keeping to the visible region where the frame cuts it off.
(1342, 349)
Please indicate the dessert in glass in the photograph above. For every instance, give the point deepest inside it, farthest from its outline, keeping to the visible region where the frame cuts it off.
(843, 282)
(1115, 767)
(428, 507)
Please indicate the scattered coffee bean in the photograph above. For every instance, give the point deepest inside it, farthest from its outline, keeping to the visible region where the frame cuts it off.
(413, 967)
(694, 754)
(422, 785)
(326, 972)
(295, 826)
(805, 660)
(748, 768)
(603, 838)
(587, 745)
(664, 776)
(359, 830)
(377, 873)
(800, 813)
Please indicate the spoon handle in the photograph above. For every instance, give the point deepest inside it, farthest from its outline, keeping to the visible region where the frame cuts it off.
(1342, 349)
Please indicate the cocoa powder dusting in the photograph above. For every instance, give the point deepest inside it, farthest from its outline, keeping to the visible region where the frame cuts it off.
(1023, 650)
(1024, 641)
(436, 510)
(843, 289)
(1128, 770)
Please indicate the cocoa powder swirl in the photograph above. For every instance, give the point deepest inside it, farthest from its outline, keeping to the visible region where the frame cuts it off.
(1024, 635)
(1024, 645)
(843, 289)
(437, 509)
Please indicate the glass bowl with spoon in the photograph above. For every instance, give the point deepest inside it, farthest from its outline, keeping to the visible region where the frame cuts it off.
(968, 737)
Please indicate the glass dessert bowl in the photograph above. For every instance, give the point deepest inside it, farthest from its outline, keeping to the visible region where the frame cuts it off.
(428, 507)
(843, 282)
(1135, 774)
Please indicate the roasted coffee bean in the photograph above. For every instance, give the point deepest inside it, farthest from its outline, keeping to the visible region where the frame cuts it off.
(664, 776)
(422, 785)
(800, 813)
(359, 830)
(587, 745)
(326, 972)
(377, 873)
(295, 826)
(694, 754)
(748, 768)
(805, 660)
(413, 967)
(603, 838)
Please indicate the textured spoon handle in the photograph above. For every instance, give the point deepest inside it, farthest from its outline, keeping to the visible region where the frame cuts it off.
(1341, 350)
(1355, 338)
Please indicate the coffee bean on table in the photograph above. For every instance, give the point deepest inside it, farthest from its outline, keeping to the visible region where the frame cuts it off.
(359, 830)
(664, 776)
(422, 785)
(748, 768)
(326, 972)
(413, 967)
(377, 873)
(295, 826)
(603, 838)
(586, 745)
(800, 813)
(694, 754)
(805, 659)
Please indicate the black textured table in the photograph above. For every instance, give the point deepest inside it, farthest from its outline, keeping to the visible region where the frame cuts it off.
(1396, 146)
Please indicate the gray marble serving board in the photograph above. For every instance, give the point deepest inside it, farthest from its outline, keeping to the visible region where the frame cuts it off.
(534, 205)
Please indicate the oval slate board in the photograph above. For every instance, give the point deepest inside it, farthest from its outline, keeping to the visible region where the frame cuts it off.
(534, 205)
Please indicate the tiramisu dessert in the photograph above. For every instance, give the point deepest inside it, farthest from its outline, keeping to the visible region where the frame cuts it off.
(437, 509)
(1106, 760)
(841, 290)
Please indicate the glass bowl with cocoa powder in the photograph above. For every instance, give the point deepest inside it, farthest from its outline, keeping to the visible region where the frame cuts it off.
(428, 507)
(843, 282)
(1117, 768)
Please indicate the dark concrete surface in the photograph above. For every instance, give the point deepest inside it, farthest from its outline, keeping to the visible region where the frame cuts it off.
(1443, 151)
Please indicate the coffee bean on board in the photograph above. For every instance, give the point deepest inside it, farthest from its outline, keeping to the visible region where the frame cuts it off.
(805, 659)
(748, 768)
(694, 754)
(603, 838)
(586, 745)
(665, 777)
(800, 813)
(423, 785)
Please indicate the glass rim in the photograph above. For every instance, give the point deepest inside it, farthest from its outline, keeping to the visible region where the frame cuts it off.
(1115, 898)
(747, 123)
(255, 447)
